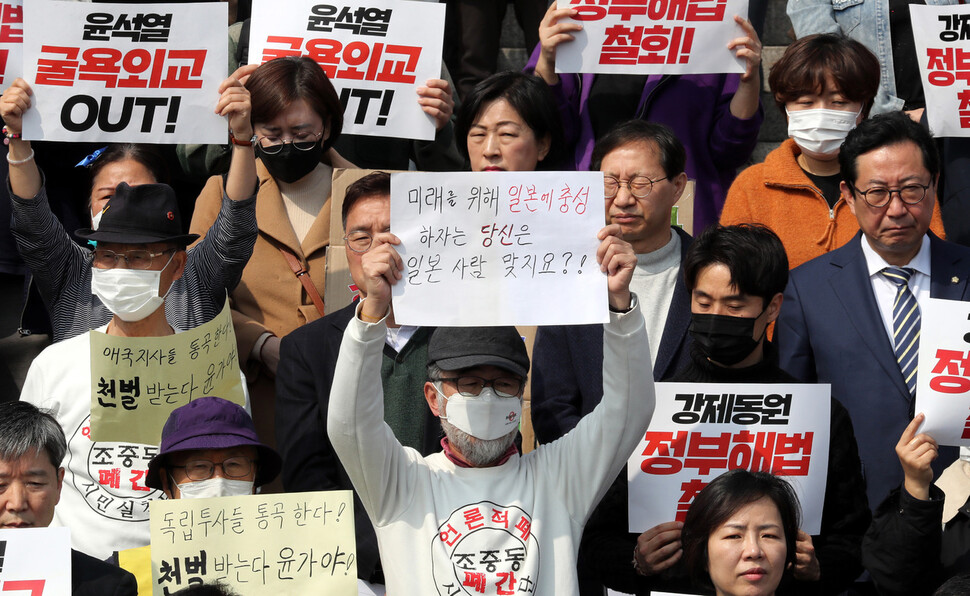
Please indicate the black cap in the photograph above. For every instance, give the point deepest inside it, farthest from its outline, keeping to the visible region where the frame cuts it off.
(141, 214)
(455, 348)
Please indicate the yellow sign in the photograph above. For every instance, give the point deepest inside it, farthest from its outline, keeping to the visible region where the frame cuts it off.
(136, 382)
(273, 545)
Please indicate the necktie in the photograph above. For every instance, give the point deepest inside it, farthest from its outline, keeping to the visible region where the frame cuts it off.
(906, 324)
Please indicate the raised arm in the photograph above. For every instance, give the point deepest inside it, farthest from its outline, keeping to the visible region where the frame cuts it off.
(234, 104)
(24, 174)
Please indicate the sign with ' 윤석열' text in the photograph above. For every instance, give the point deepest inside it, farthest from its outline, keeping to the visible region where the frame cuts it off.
(498, 248)
(143, 73)
(375, 52)
(261, 545)
(652, 37)
(701, 430)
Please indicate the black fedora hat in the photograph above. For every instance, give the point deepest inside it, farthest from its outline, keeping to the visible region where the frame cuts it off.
(141, 214)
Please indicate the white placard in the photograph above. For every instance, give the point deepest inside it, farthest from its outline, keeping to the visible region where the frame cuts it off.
(144, 73)
(375, 52)
(11, 41)
(942, 38)
(35, 561)
(943, 371)
(499, 248)
(659, 37)
(701, 430)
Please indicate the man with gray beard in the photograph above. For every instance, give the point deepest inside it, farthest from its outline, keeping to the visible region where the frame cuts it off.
(479, 517)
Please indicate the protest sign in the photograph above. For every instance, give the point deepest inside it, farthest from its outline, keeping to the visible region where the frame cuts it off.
(653, 37)
(943, 377)
(11, 40)
(296, 543)
(375, 52)
(701, 430)
(125, 73)
(136, 382)
(35, 561)
(942, 38)
(499, 248)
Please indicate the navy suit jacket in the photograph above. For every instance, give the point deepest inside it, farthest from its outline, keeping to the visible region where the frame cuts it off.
(830, 331)
(567, 363)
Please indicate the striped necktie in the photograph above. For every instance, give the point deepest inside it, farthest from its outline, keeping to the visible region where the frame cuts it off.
(906, 324)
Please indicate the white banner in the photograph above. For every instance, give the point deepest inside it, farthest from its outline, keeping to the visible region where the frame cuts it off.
(35, 561)
(943, 377)
(125, 73)
(700, 430)
(499, 248)
(942, 37)
(375, 52)
(11, 41)
(653, 37)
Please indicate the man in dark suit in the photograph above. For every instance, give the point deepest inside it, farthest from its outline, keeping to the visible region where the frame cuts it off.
(643, 165)
(32, 447)
(308, 357)
(852, 317)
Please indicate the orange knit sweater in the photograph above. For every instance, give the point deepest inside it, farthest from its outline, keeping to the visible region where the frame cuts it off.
(778, 194)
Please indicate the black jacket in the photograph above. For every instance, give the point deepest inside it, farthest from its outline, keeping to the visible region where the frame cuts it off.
(91, 577)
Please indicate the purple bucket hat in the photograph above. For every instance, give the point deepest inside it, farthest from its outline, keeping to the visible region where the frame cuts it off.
(212, 423)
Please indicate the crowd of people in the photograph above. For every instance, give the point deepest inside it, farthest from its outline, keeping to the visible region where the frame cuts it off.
(811, 267)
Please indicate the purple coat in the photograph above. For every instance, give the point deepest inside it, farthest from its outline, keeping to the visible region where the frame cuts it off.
(696, 107)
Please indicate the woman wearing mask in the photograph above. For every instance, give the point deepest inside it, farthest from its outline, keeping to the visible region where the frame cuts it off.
(509, 122)
(825, 85)
(62, 269)
(297, 117)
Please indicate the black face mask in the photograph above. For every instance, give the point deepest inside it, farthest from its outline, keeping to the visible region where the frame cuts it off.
(291, 164)
(723, 339)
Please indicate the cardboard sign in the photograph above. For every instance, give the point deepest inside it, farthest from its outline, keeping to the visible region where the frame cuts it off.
(11, 40)
(296, 543)
(943, 371)
(35, 561)
(653, 37)
(136, 382)
(499, 248)
(699, 431)
(375, 52)
(125, 73)
(942, 38)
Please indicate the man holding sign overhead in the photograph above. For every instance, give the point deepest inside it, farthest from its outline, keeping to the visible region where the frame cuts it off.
(529, 510)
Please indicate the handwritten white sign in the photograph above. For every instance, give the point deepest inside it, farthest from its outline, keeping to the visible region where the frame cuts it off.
(942, 38)
(943, 377)
(35, 561)
(657, 37)
(125, 73)
(699, 431)
(499, 248)
(375, 52)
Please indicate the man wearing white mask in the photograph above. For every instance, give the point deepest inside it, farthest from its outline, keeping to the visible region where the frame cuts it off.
(825, 86)
(478, 517)
(140, 253)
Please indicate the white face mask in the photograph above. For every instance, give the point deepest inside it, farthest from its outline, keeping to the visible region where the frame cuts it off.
(486, 416)
(96, 219)
(215, 487)
(820, 131)
(132, 294)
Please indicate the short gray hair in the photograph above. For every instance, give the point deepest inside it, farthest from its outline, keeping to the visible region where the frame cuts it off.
(25, 428)
(434, 371)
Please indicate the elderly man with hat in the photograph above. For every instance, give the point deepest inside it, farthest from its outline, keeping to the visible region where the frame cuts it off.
(478, 517)
(140, 253)
(210, 449)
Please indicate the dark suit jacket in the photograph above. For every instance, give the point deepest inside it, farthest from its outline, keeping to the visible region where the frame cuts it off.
(308, 357)
(567, 363)
(830, 331)
(91, 577)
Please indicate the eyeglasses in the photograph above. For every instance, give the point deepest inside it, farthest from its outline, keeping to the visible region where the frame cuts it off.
(471, 386)
(639, 186)
(359, 242)
(134, 259)
(303, 141)
(203, 469)
(878, 196)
